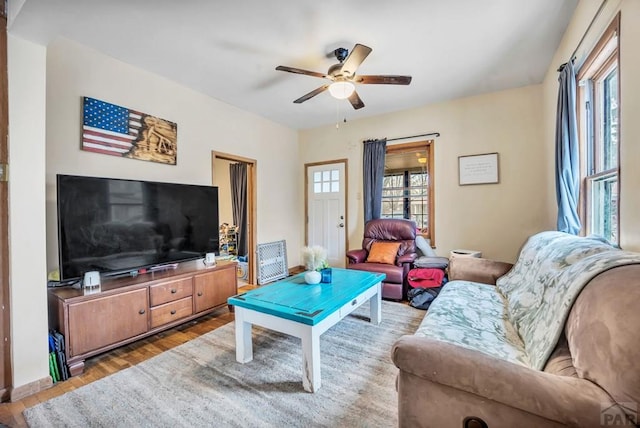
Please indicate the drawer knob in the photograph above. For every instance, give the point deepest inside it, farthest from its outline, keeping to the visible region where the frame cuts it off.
(199, 293)
(173, 312)
(141, 311)
(174, 291)
(354, 302)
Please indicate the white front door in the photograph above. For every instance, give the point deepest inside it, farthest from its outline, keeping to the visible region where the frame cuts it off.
(326, 221)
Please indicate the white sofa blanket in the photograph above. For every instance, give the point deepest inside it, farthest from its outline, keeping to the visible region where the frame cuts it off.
(521, 319)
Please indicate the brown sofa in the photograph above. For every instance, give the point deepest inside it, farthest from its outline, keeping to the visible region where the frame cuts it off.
(590, 379)
(388, 230)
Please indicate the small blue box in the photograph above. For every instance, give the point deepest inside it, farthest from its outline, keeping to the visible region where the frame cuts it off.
(326, 275)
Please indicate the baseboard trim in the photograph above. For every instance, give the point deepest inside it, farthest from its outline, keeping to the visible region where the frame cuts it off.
(296, 269)
(31, 388)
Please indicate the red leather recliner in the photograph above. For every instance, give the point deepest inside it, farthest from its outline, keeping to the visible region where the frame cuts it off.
(388, 230)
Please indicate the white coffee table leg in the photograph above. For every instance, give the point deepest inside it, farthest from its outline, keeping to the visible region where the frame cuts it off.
(311, 381)
(244, 347)
(375, 305)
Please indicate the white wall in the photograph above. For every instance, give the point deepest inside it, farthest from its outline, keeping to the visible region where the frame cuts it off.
(629, 103)
(493, 218)
(27, 80)
(204, 124)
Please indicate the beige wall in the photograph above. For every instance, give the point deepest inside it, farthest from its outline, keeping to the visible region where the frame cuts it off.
(204, 124)
(493, 218)
(629, 103)
(27, 267)
(45, 89)
(222, 179)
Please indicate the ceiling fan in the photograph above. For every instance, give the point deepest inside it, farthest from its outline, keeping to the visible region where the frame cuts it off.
(343, 76)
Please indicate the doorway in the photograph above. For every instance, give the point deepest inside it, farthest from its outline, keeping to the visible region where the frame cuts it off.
(220, 176)
(326, 208)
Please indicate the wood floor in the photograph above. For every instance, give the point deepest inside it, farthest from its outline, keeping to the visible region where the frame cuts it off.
(118, 359)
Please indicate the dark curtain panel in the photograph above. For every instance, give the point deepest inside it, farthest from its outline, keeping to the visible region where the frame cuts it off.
(238, 173)
(567, 152)
(373, 168)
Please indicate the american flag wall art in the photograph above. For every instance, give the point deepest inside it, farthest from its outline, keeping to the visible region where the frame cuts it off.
(119, 131)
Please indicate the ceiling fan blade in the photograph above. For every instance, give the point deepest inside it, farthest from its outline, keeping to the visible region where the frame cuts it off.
(383, 80)
(311, 94)
(355, 58)
(300, 71)
(355, 101)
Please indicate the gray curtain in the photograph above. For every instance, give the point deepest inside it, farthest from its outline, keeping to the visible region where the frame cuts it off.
(373, 168)
(567, 152)
(238, 174)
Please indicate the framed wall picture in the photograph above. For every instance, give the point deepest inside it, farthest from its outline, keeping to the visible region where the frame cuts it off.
(119, 131)
(478, 169)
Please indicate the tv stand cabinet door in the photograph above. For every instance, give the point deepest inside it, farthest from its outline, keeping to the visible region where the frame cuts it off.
(105, 321)
(214, 288)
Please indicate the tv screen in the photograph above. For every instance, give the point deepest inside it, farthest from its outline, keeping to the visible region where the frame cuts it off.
(113, 225)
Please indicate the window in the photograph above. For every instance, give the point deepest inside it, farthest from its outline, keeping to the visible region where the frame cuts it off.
(599, 105)
(407, 189)
(326, 181)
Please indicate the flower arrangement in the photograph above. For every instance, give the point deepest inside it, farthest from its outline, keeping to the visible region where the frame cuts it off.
(314, 258)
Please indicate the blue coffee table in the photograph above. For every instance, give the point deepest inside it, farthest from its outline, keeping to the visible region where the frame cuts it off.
(306, 311)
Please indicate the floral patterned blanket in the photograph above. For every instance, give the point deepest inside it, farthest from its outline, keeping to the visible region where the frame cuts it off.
(550, 272)
(521, 319)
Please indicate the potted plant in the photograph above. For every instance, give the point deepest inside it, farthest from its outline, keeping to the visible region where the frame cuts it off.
(314, 259)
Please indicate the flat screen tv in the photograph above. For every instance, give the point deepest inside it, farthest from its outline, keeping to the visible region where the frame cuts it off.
(116, 226)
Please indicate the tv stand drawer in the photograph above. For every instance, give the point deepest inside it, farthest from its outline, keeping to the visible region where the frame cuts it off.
(170, 291)
(172, 311)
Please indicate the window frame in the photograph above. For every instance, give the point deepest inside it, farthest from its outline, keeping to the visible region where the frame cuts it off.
(598, 65)
(427, 147)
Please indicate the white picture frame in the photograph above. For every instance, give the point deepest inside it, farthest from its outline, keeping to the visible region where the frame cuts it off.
(478, 169)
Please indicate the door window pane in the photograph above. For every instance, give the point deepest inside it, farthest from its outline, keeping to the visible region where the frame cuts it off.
(326, 181)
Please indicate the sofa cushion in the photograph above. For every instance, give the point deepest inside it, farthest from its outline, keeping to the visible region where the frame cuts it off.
(383, 252)
(603, 334)
(473, 315)
(477, 269)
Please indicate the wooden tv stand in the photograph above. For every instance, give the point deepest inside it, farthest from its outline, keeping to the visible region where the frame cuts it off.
(124, 310)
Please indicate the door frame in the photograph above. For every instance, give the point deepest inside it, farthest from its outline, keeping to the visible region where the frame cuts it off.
(6, 378)
(346, 198)
(252, 203)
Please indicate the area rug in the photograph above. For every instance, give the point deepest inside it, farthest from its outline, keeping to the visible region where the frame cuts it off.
(200, 383)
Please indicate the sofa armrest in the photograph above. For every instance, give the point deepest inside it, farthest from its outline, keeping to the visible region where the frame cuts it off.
(357, 256)
(567, 400)
(406, 258)
(477, 269)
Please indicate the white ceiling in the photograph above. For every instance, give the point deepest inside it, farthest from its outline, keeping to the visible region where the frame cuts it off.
(229, 49)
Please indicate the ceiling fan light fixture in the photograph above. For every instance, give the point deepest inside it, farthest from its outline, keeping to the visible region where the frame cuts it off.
(341, 89)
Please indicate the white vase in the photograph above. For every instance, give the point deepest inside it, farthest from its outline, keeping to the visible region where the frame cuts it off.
(312, 277)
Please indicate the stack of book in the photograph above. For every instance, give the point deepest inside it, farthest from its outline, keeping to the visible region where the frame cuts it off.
(58, 369)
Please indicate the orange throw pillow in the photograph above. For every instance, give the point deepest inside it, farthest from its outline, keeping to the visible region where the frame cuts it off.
(383, 252)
